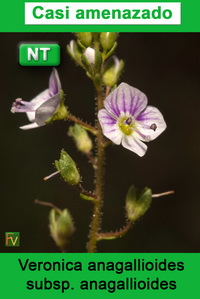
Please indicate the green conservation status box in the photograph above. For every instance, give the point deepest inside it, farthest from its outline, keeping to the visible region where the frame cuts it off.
(39, 54)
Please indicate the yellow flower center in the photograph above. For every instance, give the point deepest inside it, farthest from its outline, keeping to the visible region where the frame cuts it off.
(126, 125)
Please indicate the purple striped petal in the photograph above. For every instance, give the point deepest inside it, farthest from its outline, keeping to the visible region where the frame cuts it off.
(41, 97)
(128, 120)
(110, 126)
(37, 101)
(54, 83)
(125, 99)
(150, 124)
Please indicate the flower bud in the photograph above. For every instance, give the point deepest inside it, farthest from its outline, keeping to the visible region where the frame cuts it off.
(85, 38)
(89, 55)
(75, 51)
(61, 227)
(68, 169)
(107, 39)
(137, 203)
(112, 71)
(81, 138)
(92, 60)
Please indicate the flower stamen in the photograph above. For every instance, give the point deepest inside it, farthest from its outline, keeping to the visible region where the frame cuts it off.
(129, 121)
(22, 106)
(51, 175)
(153, 127)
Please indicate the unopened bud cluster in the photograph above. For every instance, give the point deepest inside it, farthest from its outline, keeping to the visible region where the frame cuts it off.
(91, 51)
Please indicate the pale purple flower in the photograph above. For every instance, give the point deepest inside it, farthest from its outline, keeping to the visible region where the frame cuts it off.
(127, 119)
(43, 106)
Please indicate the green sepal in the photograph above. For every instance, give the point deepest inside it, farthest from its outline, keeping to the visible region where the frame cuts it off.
(85, 38)
(61, 227)
(137, 203)
(107, 40)
(109, 53)
(68, 169)
(112, 71)
(75, 51)
(86, 64)
(81, 45)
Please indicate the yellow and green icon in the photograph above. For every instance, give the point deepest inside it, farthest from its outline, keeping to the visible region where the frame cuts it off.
(12, 239)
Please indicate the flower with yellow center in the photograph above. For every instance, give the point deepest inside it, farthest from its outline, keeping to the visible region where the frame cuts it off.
(127, 119)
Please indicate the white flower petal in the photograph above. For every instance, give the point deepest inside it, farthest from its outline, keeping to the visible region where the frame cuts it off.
(41, 97)
(134, 144)
(46, 110)
(90, 55)
(54, 83)
(126, 99)
(31, 116)
(38, 100)
(30, 126)
(150, 124)
(110, 126)
(116, 63)
(72, 46)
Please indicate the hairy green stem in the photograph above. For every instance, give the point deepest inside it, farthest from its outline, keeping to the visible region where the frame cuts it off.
(88, 127)
(84, 192)
(118, 234)
(99, 176)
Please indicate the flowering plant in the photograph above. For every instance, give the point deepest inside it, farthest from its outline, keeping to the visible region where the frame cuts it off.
(122, 118)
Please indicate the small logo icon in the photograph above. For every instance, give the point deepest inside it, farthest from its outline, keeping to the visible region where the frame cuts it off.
(39, 54)
(12, 239)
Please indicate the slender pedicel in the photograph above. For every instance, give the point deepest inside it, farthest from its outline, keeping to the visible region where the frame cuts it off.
(163, 194)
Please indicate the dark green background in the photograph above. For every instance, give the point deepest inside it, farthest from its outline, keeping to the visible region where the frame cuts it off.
(165, 67)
